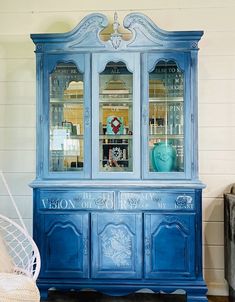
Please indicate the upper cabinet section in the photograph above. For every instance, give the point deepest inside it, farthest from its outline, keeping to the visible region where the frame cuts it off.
(116, 108)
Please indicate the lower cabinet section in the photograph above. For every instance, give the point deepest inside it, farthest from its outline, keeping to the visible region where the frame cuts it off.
(118, 250)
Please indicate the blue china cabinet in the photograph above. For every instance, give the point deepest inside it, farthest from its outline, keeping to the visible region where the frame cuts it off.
(117, 200)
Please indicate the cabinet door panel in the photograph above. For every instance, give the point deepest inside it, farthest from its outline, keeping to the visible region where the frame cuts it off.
(116, 246)
(169, 246)
(64, 245)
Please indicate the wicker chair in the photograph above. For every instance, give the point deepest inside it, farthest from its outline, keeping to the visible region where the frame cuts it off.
(19, 285)
(21, 247)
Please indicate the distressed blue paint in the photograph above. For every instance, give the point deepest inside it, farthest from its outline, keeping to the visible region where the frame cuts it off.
(172, 251)
(63, 241)
(83, 220)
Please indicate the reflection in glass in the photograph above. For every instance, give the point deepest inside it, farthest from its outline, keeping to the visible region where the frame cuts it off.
(166, 118)
(66, 118)
(115, 118)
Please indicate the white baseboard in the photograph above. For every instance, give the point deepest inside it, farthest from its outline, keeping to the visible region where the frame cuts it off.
(217, 289)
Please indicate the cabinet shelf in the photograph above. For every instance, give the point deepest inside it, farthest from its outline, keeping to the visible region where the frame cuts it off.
(166, 100)
(117, 106)
(116, 101)
(114, 144)
(166, 136)
(80, 136)
(117, 136)
(116, 95)
(118, 160)
(64, 156)
(60, 153)
(67, 101)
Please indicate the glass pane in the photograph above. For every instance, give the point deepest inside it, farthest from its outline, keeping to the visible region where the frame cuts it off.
(115, 118)
(166, 118)
(66, 119)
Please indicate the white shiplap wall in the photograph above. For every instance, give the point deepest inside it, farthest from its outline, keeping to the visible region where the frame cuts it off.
(216, 98)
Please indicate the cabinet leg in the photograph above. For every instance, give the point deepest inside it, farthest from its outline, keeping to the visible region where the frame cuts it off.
(43, 294)
(196, 298)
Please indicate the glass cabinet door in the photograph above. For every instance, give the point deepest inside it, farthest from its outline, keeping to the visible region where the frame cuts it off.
(66, 119)
(67, 125)
(166, 125)
(115, 124)
(116, 119)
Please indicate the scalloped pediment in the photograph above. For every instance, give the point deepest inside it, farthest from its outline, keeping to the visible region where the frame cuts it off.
(87, 32)
(145, 34)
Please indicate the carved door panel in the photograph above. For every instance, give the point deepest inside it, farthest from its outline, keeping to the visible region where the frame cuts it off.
(116, 245)
(64, 244)
(169, 246)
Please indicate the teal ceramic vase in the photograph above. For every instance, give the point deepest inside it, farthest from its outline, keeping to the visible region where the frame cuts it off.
(163, 157)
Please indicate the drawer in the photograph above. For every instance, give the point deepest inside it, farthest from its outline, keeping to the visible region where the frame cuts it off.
(75, 200)
(157, 200)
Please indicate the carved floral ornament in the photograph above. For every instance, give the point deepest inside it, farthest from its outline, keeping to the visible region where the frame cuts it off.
(117, 245)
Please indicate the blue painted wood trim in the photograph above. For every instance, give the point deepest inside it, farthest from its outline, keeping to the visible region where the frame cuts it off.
(135, 184)
(198, 241)
(87, 117)
(196, 289)
(194, 100)
(39, 115)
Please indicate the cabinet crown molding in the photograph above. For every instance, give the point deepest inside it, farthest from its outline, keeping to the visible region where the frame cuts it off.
(144, 33)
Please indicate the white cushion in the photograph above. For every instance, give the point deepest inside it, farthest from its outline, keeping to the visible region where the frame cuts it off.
(6, 263)
(17, 288)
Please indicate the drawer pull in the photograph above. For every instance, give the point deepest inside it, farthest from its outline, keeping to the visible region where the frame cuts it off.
(87, 116)
(145, 115)
(147, 245)
(85, 245)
